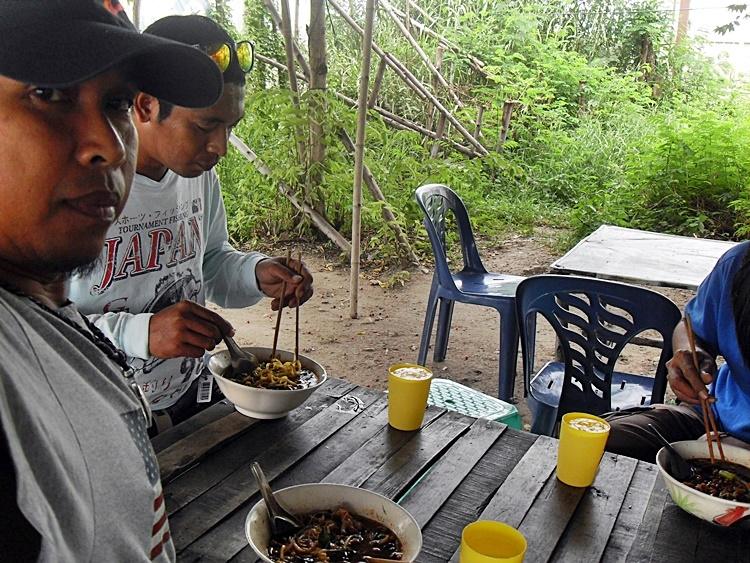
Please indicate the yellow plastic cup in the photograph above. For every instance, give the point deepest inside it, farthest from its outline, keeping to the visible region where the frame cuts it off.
(408, 388)
(582, 440)
(487, 541)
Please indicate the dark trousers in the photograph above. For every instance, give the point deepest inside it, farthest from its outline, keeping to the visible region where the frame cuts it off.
(185, 407)
(630, 434)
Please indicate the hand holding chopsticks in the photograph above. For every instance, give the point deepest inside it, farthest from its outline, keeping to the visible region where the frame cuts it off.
(709, 422)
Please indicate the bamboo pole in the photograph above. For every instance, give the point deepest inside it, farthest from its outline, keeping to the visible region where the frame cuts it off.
(317, 105)
(438, 136)
(296, 25)
(388, 117)
(376, 85)
(505, 126)
(409, 79)
(459, 127)
(431, 109)
(420, 52)
(297, 51)
(478, 123)
(475, 63)
(286, 29)
(359, 155)
(377, 194)
(320, 222)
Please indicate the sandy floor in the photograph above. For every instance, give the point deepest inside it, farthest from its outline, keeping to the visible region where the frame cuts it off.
(389, 324)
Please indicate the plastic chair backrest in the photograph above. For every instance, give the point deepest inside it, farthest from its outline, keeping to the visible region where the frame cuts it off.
(436, 200)
(594, 319)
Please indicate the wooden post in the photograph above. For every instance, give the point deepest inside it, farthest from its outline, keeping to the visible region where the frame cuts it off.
(438, 136)
(376, 85)
(359, 157)
(420, 52)
(318, 82)
(478, 123)
(507, 113)
(683, 21)
(276, 18)
(286, 29)
(451, 119)
(137, 14)
(438, 64)
(296, 20)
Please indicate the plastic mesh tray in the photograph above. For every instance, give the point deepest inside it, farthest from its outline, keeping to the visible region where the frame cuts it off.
(460, 398)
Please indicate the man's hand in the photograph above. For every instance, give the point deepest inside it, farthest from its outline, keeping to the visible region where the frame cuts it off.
(271, 273)
(687, 383)
(185, 329)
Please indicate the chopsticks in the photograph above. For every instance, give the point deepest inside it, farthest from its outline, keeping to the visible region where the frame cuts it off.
(281, 307)
(709, 421)
(296, 311)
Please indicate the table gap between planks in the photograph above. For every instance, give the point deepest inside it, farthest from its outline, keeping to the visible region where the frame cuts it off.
(453, 471)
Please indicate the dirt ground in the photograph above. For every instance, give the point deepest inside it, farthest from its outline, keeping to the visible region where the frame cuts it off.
(390, 319)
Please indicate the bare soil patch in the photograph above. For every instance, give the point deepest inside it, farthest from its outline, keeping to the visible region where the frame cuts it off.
(390, 321)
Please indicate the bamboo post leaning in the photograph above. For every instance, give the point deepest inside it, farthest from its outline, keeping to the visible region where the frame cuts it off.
(320, 222)
(459, 127)
(420, 52)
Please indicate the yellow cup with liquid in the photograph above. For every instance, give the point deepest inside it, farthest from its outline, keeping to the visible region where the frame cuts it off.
(408, 389)
(582, 440)
(487, 541)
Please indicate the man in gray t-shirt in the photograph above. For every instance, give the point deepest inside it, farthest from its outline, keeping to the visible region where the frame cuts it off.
(78, 478)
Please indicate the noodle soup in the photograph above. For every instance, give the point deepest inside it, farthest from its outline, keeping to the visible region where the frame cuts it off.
(335, 535)
(275, 374)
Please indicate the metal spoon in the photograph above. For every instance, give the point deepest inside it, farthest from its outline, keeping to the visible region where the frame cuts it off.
(242, 362)
(680, 468)
(282, 521)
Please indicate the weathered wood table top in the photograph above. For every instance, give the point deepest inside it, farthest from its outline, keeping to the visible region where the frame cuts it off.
(453, 471)
(636, 256)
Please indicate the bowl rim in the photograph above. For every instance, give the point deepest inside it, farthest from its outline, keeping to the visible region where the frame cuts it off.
(721, 501)
(257, 505)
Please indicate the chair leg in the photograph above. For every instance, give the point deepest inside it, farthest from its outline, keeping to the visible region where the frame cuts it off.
(443, 329)
(429, 320)
(508, 354)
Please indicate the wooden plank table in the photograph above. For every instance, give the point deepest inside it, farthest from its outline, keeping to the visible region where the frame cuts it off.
(453, 471)
(642, 257)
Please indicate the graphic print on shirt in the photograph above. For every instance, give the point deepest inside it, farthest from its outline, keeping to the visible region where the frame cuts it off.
(160, 535)
(153, 259)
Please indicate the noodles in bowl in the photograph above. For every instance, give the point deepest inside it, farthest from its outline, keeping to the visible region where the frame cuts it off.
(345, 522)
(288, 384)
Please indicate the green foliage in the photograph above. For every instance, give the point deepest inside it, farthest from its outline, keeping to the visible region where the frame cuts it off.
(612, 123)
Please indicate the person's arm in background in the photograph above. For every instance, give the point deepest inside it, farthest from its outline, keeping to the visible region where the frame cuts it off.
(688, 383)
(239, 279)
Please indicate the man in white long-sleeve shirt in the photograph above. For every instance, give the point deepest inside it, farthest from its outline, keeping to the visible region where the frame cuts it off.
(168, 252)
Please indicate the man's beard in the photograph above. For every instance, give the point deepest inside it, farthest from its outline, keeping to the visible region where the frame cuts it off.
(84, 270)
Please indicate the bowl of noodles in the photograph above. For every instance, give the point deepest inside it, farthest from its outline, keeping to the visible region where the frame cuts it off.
(717, 492)
(277, 386)
(340, 523)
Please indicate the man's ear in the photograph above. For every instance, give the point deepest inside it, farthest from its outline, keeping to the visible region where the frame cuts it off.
(146, 108)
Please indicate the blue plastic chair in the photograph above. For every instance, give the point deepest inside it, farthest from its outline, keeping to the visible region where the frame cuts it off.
(472, 284)
(593, 319)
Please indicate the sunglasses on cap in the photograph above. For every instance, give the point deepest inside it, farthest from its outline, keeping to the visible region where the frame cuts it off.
(221, 54)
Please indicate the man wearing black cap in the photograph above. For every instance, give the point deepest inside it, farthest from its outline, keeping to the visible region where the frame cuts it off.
(169, 251)
(78, 479)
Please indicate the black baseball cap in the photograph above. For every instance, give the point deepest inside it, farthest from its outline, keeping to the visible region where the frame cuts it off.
(59, 43)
